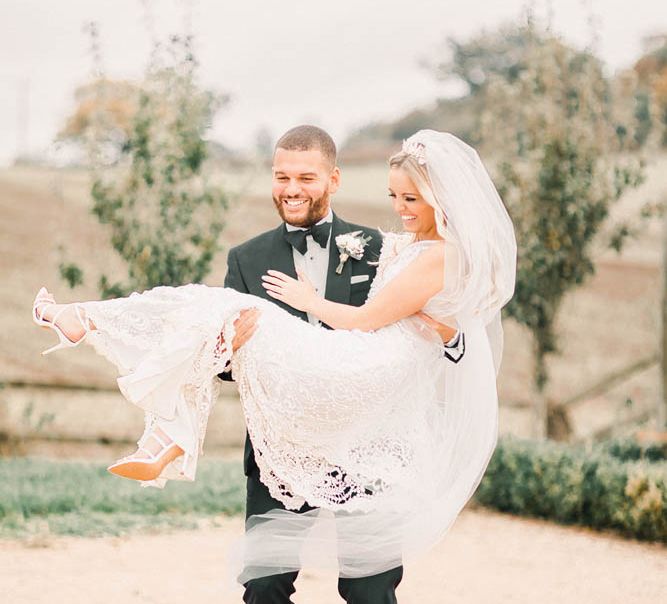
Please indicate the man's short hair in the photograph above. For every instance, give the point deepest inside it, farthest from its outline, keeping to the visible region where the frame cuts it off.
(305, 138)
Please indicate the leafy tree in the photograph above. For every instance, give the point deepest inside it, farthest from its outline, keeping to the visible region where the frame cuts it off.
(164, 217)
(117, 100)
(651, 70)
(500, 53)
(557, 130)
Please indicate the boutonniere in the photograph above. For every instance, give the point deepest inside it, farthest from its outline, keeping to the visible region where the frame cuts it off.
(350, 245)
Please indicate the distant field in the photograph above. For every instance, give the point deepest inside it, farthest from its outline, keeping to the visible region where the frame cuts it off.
(605, 326)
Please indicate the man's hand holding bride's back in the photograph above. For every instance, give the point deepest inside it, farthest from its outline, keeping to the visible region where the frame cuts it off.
(445, 332)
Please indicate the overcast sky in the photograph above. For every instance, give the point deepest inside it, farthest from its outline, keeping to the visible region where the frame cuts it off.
(339, 63)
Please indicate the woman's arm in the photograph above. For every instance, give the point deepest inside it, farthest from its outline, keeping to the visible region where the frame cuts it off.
(403, 296)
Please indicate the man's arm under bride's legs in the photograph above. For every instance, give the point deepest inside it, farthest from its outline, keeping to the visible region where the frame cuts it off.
(244, 328)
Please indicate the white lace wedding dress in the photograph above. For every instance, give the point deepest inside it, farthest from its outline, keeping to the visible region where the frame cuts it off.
(378, 430)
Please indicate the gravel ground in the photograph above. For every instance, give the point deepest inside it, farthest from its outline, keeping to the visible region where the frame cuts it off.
(487, 557)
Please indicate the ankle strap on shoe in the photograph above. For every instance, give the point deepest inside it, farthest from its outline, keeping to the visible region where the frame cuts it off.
(159, 439)
(84, 320)
(45, 302)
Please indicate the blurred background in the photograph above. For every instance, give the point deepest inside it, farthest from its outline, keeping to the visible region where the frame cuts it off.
(136, 147)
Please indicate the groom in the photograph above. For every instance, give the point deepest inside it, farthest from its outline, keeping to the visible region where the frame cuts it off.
(305, 176)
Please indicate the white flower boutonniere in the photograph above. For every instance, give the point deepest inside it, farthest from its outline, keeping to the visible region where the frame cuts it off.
(351, 245)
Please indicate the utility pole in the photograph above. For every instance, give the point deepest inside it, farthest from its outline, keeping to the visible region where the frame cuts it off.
(23, 117)
(661, 415)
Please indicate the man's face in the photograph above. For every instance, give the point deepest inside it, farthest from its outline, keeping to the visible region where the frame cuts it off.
(303, 182)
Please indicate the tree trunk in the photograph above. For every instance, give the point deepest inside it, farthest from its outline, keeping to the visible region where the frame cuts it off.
(559, 427)
(540, 418)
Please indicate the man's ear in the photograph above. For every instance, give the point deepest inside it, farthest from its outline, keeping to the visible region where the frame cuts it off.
(334, 180)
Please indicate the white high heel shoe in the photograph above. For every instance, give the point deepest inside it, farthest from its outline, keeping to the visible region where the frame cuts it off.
(150, 467)
(44, 299)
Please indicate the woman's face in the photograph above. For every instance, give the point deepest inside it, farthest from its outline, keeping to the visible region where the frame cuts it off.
(416, 214)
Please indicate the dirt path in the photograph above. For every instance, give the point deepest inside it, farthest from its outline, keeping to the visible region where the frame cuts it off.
(487, 558)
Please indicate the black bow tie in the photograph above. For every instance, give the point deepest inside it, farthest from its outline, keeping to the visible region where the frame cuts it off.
(297, 238)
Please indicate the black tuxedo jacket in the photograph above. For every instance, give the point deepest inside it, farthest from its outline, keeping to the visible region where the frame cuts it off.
(247, 263)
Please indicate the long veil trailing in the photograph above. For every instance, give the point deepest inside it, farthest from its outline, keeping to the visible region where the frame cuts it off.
(445, 427)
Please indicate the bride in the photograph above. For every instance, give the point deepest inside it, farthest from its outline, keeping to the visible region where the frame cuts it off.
(364, 422)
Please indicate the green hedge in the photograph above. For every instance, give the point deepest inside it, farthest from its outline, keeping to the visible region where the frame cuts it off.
(614, 485)
(629, 449)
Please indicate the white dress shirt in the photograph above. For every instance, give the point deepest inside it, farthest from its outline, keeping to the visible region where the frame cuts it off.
(314, 263)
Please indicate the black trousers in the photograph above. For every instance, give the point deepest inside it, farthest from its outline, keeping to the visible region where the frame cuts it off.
(277, 589)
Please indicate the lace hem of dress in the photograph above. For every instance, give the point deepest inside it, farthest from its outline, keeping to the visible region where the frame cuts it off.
(165, 370)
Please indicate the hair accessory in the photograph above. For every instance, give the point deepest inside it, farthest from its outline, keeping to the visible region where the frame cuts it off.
(416, 149)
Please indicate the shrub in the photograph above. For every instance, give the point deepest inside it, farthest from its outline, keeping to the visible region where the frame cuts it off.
(613, 485)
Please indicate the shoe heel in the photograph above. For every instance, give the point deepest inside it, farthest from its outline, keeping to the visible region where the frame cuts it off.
(54, 348)
(150, 467)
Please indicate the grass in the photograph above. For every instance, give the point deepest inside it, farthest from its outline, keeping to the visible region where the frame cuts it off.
(66, 498)
(616, 485)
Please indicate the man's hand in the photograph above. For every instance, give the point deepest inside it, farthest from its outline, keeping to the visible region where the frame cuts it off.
(244, 326)
(445, 332)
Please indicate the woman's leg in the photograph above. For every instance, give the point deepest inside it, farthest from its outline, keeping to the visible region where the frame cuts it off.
(163, 441)
(153, 358)
(159, 445)
(73, 325)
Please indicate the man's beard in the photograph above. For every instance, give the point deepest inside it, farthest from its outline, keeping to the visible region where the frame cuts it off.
(317, 209)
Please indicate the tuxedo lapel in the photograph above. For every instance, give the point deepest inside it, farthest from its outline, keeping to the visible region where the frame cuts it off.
(338, 286)
(281, 259)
